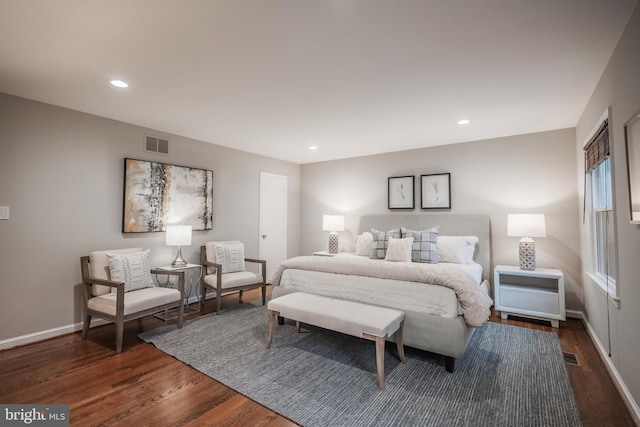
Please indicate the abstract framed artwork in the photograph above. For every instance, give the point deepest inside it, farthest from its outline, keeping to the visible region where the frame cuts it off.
(401, 192)
(159, 194)
(435, 191)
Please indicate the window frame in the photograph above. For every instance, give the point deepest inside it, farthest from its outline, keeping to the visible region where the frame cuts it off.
(606, 283)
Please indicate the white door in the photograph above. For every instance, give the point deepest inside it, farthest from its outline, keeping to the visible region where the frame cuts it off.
(273, 220)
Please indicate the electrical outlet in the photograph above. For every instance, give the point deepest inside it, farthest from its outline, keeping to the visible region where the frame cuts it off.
(4, 212)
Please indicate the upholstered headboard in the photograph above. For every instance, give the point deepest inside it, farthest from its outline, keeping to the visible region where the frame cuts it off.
(450, 225)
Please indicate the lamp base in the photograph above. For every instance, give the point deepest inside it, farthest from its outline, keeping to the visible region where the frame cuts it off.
(527, 252)
(333, 242)
(179, 261)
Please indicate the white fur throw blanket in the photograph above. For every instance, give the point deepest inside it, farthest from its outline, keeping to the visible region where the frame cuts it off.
(476, 305)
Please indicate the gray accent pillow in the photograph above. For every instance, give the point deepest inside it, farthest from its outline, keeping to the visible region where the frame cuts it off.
(425, 244)
(381, 241)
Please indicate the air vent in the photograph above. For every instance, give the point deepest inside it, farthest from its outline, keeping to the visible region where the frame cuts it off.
(571, 358)
(153, 144)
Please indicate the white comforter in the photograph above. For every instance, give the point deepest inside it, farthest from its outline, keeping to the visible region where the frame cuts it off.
(474, 302)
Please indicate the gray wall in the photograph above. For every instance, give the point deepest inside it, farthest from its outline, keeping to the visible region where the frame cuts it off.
(619, 89)
(61, 174)
(532, 173)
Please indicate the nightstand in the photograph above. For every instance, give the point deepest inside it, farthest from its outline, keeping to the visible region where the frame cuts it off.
(537, 294)
(193, 274)
(323, 253)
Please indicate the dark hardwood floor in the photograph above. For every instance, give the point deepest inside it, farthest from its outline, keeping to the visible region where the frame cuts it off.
(143, 386)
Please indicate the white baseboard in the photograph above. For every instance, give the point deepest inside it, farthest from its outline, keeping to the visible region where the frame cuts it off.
(629, 401)
(56, 332)
(49, 333)
(574, 314)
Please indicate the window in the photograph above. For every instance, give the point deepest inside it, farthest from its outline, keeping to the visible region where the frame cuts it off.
(603, 267)
(602, 222)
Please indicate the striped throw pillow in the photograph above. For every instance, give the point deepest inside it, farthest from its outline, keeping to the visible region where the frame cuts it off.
(132, 269)
(230, 256)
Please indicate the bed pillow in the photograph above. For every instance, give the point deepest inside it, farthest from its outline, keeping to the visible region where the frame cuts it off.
(425, 245)
(380, 241)
(399, 249)
(230, 256)
(364, 243)
(132, 269)
(457, 249)
(346, 244)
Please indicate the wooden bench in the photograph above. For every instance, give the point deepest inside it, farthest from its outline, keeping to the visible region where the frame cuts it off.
(348, 317)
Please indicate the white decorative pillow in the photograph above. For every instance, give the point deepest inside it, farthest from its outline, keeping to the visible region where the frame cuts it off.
(457, 249)
(425, 244)
(346, 244)
(132, 269)
(380, 239)
(230, 256)
(399, 249)
(364, 243)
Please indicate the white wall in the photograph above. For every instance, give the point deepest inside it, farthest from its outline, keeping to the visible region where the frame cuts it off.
(619, 89)
(61, 174)
(527, 173)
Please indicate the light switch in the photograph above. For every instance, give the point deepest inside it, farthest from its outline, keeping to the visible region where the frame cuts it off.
(4, 212)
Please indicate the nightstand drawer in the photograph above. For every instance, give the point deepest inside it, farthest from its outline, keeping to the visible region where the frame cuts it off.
(530, 300)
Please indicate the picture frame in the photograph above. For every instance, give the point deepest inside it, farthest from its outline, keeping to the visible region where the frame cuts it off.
(435, 191)
(158, 194)
(401, 192)
(632, 142)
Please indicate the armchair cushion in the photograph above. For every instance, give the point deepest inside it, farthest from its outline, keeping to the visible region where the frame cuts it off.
(99, 267)
(132, 269)
(232, 280)
(134, 302)
(230, 256)
(211, 254)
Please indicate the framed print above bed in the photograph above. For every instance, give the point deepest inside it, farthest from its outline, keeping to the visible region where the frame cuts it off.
(158, 194)
(401, 192)
(435, 191)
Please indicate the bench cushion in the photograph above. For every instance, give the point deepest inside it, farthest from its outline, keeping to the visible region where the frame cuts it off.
(347, 317)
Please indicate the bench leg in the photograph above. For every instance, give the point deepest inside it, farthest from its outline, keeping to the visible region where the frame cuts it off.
(399, 342)
(272, 319)
(297, 327)
(380, 361)
(449, 364)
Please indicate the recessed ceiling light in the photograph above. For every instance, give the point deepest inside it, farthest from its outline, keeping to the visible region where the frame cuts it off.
(463, 122)
(119, 83)
(313, 147)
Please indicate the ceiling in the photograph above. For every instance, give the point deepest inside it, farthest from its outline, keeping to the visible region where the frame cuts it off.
(352, 77)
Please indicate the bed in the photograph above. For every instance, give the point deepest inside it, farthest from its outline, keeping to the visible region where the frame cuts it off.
(443, 303)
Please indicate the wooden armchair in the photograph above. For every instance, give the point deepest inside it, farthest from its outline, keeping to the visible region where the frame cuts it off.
(223, 271)
(118, 286)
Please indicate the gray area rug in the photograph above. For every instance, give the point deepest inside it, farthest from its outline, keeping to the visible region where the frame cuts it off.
(509, 376)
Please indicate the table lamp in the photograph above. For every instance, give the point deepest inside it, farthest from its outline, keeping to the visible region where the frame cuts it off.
(178, 235)
(526, 226)
(333, 223)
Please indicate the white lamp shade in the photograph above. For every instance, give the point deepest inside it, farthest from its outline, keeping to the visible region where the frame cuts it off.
(178, 235)
(333, 223)
(526, 225)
